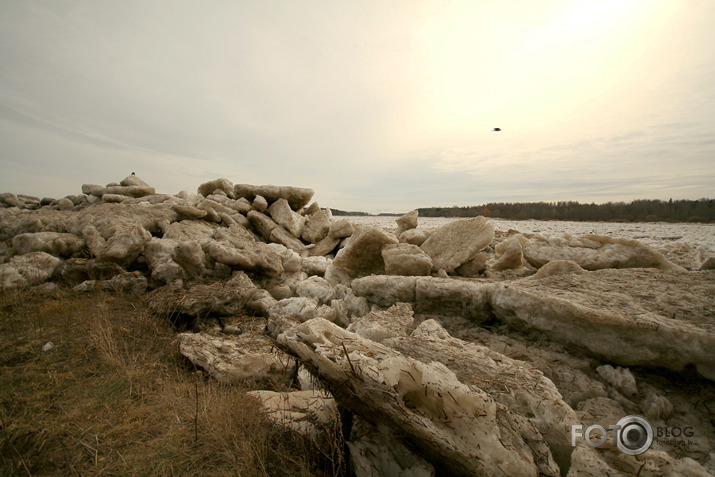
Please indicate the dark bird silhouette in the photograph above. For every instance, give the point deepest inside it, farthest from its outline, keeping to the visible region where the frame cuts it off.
(497, 129)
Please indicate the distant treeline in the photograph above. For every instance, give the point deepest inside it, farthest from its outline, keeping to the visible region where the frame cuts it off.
(702, 210)
(343, 212)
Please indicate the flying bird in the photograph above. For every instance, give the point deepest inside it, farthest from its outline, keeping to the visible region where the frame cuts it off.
(497, 129)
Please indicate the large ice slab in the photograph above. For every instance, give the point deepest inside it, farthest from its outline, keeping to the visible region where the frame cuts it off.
(513, 383)
(456, 427)
(630, 317)
(429, 295)
(457, 242)
(594, 252)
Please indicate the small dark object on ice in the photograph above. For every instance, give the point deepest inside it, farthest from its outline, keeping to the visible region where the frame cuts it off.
(497, 129)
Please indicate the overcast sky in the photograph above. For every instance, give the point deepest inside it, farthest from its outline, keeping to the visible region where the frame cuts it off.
(376, 105)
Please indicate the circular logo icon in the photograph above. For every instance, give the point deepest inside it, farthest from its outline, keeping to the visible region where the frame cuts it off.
(634, 436)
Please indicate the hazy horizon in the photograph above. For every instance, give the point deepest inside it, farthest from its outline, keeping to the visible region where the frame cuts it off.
(402, 212)
(377, 106)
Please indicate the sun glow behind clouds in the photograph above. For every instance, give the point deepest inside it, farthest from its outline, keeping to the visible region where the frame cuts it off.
(584, 21)
(538, 69)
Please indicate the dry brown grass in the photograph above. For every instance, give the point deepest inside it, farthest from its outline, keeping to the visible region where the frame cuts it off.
(114, 397)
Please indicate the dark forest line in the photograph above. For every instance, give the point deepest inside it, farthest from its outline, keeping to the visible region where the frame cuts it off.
(702, 210)
(644, 210)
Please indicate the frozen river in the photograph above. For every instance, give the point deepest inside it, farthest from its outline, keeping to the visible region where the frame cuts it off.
(661, 235)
